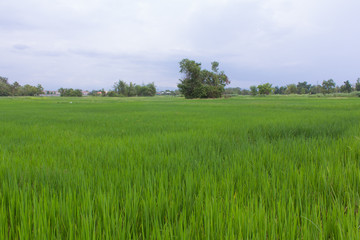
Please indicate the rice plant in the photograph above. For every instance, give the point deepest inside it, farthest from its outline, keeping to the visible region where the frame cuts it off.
(163, 168)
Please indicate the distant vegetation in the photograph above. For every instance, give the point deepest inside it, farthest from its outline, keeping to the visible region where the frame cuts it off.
(327, 87)
(15, 89)
(123, 89)
(69, 92)
(198, 83)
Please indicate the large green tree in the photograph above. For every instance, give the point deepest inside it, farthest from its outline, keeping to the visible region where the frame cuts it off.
(328, 86)
(265, 89)
(198, 83)
(121, 88)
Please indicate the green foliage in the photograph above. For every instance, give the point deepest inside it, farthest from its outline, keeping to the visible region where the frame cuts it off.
(125, 90)
(265, 89)
(303, 87)
(346, 88)
(121, 88)
(69, 92)
(4, 87)
(166, 168)
(112, 94)
(291, 89)
(145, 90)
(234, 91)
(198, 83)
(15, 89)
(253, 90)
(315, 89)
(131, 90)
(357, 85)
(328, 86)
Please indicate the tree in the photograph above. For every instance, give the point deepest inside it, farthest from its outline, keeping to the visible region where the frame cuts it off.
(28, 90)
(328, 86)
(132, 91)
(315, 89)
(39, 90)
(346, 88)
(265, 89)
(15, 89)
(121, 88)
(357, 85)
(253, 90)
(112, 94)
(5, 89)
(198, 83)
(303, 88)
(233, 91)
(69, 92)
(291, 89)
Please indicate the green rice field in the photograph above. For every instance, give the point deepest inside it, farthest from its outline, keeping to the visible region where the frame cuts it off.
(169, 168)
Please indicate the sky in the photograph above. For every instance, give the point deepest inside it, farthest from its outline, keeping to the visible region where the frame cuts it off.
(91, 44)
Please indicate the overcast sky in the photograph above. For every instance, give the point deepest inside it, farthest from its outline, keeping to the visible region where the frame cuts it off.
(90, 44)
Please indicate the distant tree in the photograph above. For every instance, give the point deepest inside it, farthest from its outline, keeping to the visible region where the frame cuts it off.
(233, 91)
(129, 90)
(276, 90)
(39, 90)
(15, 89)
(69, 92)
(328, 86)
(303, 87)
(198, 83)
(121, 88)
(314, 89)
(283, 89)
(280, 90)
(94, 93)
(132, 91)
(28, 90)
(5, 89)
(103, 92)
(346, 88)
(112, 94)
(291, 89)
(150, 90)
(265, 89)
(357, 85)
(245, 92)
(78, 93)
(253, 90)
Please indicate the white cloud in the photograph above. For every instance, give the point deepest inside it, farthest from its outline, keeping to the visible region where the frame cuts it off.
(91, 44)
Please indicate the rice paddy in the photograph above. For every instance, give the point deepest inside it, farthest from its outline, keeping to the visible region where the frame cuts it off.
(169, 168)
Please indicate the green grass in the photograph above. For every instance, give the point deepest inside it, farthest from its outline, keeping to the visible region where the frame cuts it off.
(169, 168)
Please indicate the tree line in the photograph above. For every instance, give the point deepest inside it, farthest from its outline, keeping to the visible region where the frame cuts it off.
(69, 92)
(120, 89)
(15, 89)
(327, 87)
